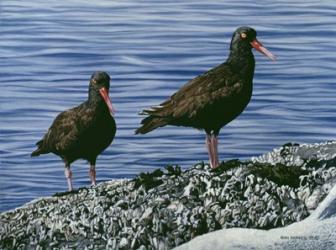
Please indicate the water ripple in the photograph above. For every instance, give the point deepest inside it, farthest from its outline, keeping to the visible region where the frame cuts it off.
(49, 50)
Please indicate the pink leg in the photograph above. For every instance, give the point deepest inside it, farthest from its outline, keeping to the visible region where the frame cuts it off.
(68, 176)
(210, 149)
(214, 144)
(92, 174)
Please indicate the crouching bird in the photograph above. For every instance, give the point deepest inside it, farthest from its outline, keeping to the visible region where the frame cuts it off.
(213, 99)
(82, 132)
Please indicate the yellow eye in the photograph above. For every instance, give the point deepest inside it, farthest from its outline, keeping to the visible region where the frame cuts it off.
(94, 81)
(243, 35)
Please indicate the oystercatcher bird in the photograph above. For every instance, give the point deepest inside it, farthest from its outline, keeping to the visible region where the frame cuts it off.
(82, 132)
(213, 99)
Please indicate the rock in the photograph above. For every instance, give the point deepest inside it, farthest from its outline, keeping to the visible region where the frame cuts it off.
(166, 208)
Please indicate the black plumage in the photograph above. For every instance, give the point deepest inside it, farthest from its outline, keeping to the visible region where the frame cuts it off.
(213, 99)
(82, 132)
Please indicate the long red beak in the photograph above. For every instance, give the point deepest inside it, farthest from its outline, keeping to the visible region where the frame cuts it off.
(258, 46)
(105, 94)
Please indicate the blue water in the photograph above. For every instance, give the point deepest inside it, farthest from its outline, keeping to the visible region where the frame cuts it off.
(49, 49)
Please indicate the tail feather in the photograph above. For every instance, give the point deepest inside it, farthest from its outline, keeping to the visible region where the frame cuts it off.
(39, 150)
(150, 123)
(155, 110)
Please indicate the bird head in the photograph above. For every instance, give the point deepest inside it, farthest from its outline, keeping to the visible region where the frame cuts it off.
(100, 82)
(245, 38)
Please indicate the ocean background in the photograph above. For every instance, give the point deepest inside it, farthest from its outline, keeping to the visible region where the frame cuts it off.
(49, 49)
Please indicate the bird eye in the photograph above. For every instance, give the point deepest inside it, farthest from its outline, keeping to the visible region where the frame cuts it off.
(243, 35)
(93, 81)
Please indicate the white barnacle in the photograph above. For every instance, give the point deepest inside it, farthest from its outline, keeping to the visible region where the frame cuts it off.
(250, 179)
(264, 220)
(292, 194)
(271, 204)
(248, 191)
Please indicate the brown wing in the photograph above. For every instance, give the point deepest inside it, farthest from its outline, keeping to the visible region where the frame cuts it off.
(67, 127)
(204, 90)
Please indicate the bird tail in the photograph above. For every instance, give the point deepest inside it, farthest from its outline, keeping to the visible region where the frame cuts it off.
(150, 123)
(39, 150)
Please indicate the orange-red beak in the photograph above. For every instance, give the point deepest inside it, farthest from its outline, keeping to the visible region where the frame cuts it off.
(105, 94)
(258, 46)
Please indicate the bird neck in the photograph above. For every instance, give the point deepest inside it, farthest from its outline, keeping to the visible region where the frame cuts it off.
(95, 99)
(242, 62)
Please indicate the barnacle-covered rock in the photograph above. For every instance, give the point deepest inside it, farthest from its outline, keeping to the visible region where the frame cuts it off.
(166, 208)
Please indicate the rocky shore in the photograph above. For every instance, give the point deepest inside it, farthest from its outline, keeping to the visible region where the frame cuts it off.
(168, 207)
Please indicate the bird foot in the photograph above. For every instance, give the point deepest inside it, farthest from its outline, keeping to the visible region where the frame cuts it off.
(214, 164)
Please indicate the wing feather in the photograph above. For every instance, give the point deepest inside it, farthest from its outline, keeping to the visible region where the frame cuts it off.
(67, 127)
(201, 92)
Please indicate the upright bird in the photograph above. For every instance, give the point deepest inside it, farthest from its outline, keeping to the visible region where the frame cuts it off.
(213, 99)
(82, 132)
